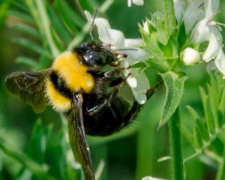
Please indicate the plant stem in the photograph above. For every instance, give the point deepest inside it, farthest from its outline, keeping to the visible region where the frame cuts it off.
(176, 147)
(221, 171)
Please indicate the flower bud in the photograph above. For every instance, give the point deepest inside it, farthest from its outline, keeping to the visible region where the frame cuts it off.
(190, 56)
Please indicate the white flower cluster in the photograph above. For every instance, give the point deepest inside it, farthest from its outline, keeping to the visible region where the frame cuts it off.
(198, 23)
(137, 81)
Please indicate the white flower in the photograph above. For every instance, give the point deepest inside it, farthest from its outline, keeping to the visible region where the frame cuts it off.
(179, 9)
(138, 81)
(137, 2)
(190, 56)
(193, 14)
(151, 178)
(204, 29)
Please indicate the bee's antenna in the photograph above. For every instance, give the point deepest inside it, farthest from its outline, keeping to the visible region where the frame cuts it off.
(92, 25)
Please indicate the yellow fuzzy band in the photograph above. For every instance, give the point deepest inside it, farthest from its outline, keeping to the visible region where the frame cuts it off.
(69, 68)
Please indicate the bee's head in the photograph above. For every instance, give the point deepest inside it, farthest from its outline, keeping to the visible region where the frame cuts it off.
(94, 54)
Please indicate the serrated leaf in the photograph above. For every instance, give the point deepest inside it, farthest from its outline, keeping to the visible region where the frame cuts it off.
(206, 107)
(197, 138)
(174, 83)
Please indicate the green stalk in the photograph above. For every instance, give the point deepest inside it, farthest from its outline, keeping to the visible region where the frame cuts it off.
(221, 171)
(176, 150)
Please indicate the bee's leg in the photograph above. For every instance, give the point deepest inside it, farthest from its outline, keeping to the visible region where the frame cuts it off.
(106, 102)
(115, 81)
(77, 136)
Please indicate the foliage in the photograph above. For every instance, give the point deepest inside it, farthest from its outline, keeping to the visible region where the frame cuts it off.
(51, 27)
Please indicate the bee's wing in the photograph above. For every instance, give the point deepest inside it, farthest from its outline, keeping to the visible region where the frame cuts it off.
(78, 139)
(29, 87)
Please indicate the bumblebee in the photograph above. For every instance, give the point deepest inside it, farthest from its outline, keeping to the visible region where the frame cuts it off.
(77, 86)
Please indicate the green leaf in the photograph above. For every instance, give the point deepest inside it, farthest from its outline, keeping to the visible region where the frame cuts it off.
(169, 16)
(188, 135)
(161, 33)
(69, 16)
(24, 174)
(58, 26)
(174, 83)
(22, 15)
(86, 5)
(182, 37)
(27, 61)
(4, 6)
(60, 156)
(222, 102)
(21, 6)
(193, 112)
(28, 29)
(206, 106)
(213, 96)
(32, 46)
(45, 21)
(200, 125)
(40, 171)
(38, 142)
(197, 138)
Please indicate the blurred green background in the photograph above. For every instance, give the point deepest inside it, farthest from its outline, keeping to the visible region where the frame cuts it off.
(130, 154)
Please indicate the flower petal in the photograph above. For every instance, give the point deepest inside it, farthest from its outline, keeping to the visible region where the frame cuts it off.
(220, 61)
(212, 49)
(179, 9)
(200, 33)
(116, 37)
(151, 178)
(192, 15)
(211, 6)
(142, 86)
(129, 3)
(138, 2)
(139, 97)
